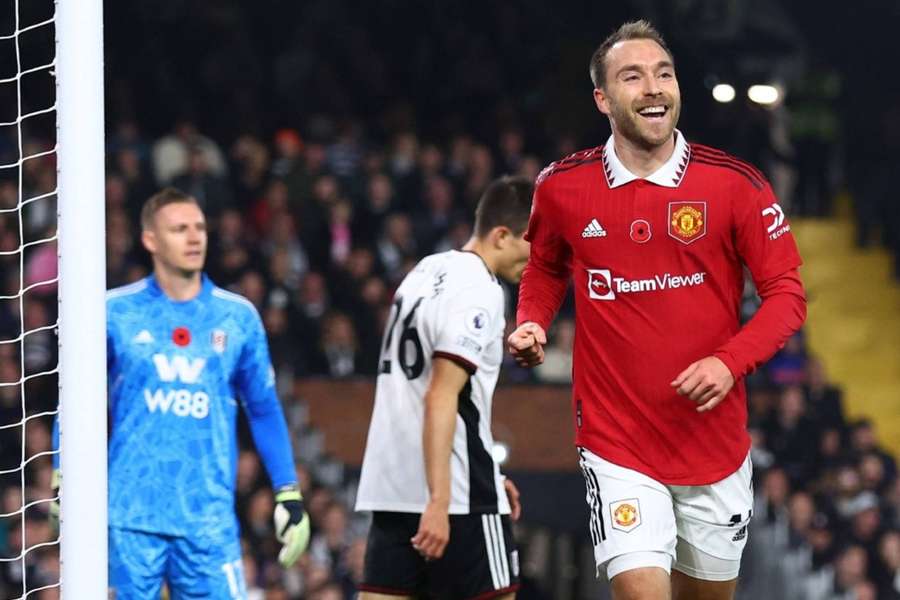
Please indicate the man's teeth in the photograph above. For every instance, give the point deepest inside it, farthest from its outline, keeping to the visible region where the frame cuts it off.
(653, 110)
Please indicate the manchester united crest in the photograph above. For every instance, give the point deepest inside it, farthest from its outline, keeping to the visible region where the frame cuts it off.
(687, 221)
(626, 514)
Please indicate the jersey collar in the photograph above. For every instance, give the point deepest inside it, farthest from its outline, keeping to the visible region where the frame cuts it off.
(669, 175)
(486, 268)
(206, 287)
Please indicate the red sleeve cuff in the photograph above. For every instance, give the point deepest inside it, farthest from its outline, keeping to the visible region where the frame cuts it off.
(733, 366)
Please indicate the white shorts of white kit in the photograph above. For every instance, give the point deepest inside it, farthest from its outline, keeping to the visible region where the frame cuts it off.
(636, 521)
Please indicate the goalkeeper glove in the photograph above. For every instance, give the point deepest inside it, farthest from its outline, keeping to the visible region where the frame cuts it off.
(53, 516)
(291, 524)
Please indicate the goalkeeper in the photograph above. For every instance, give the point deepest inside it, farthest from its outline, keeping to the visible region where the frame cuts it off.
(181, 354)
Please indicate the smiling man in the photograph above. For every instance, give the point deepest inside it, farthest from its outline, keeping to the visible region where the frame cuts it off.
(655, 233)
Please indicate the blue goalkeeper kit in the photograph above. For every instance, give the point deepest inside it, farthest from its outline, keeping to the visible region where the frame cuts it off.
(177, 371)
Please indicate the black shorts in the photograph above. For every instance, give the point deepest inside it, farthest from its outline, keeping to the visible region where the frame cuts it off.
(480, 561)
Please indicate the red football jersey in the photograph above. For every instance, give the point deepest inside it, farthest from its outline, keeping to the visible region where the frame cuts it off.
(657, 267)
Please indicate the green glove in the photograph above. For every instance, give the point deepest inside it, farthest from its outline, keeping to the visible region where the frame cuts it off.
(53, 516)
(291, 524)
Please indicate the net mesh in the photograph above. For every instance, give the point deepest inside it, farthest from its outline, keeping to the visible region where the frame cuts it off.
(29, 556)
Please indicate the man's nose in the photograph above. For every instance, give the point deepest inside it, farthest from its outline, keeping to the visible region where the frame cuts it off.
(651, 87)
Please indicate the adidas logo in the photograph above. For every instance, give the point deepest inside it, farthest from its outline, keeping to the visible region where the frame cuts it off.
(741, 534)
(144, 337)
(593, 229)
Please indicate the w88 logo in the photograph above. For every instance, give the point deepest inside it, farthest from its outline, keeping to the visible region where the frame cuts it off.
(182, 403)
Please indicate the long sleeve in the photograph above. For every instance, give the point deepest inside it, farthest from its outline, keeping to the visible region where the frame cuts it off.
(547, 274)
(256, 384)
(764, 241)
(782, 313)
(270, 434)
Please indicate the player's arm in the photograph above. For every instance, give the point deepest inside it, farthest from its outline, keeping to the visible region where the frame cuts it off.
(767, 247)
(255, 381)
(513, 495)
(544, 281)
(441, 401)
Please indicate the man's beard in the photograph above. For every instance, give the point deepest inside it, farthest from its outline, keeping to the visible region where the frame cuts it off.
(629, 126)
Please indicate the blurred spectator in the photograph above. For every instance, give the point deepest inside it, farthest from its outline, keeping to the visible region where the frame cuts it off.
(839, 582)
(270, 206)
(789, 365)
(824, 401)
(288, 152)
(252, 286)
(172, 154)
(378, 203)
(301, 176)
(282, 244)
(313, 298)
(250, 165)
(345, 154)
(512, 148)
(138, 185)
(888, 566)
(790, 435)
(395, 245)
(557, 365)
(863, 440)
(203, 183)
(339, 221)
(339, 348)
(437, 216)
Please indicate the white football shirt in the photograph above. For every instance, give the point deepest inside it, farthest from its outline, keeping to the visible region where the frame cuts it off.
(450, 306)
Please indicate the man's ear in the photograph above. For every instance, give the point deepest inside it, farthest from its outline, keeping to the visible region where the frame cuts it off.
(500, 236)
(601, 100)
(148, 239)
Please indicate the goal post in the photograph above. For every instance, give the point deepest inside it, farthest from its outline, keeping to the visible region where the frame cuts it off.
(82, 302)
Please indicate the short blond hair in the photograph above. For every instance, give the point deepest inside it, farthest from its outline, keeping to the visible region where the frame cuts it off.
(633, 30)
(164, 197)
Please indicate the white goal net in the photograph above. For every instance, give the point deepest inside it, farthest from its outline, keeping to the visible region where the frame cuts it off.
(29, 551)
(37, 178)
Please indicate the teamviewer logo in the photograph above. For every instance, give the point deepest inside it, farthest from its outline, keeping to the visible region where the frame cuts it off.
(600, 285)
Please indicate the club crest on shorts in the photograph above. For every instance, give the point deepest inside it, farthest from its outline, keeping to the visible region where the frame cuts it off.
(626, 514)
(687, 221)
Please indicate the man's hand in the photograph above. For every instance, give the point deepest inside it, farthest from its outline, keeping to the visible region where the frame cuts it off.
(526, 344)
(434, 531)
(291, 524)
(512, 493)
(53, 514)
(706, 382)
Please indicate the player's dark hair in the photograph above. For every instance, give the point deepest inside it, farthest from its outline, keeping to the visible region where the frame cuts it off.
(164, 197)
(506, 202)
(633, 30)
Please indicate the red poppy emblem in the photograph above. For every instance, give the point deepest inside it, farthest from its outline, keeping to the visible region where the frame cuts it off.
(181, 336)
(640, 231)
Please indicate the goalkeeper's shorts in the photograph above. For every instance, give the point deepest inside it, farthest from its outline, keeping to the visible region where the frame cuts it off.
(191, 567)
(480, 560)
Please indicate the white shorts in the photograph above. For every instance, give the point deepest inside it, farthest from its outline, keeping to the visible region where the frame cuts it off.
(700, 529)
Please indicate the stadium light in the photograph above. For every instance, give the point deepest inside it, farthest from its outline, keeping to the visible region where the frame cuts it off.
(764, 94)
(500, 452)
(723, 93)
